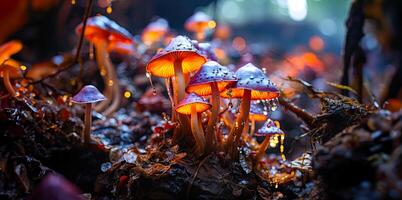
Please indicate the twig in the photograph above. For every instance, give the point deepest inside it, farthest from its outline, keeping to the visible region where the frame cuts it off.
(301, 113)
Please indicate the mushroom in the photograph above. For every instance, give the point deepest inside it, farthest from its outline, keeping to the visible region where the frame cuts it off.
(252, 84)
(8, 66)
(267, 130)
(10, 71)
(206, 49)
(211, 79)
(256, 114)
(8, 49)
(191, 105)
(88, 95)
(154, 31)
(178, 58)
(121, 48)
(101, 31)
(198, 24)
(41, 70)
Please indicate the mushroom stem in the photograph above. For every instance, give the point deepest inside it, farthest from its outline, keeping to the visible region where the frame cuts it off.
(262, 148)
(116, 97)
(113, 81)
(101, 58)
(235, 132)
(197, 132)
(227, 117)
(252, 129)
(245, 133)
(7, 83)
(88, 123)
(178, 90)
(178, 95)
(167, 85)
(215, 101)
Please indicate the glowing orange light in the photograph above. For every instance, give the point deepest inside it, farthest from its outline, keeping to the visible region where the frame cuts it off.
(211, 24)
(316, 43)
(312, 61)
(239, 43)
(220, 53)
(222, 32)
(109, 9)
(127, 94)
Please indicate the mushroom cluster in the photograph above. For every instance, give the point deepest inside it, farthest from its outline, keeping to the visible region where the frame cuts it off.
(194, 76)
(200, 88)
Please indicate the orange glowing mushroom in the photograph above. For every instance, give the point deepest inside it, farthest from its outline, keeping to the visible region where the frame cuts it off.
(198, 24)
(8, 71)
(211, 79)
(101, 31)
(252, 84)
(178, 58)
(9, 68)
(256, 115)
(267, 130)
(191, 105)
(155, 31)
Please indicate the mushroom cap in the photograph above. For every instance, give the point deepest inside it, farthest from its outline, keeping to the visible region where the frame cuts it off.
(211, 72)
(9, 48)
(40, 70)
(88, 94)
(269, 128)
(159, 25)
(154, 31)
(206, 49)
(179, 48)
(43, 69)
(198, 22)
(121, 48)
(102, 27)
(12, 68)
(252, 78)
(184, 107)
(256, 112)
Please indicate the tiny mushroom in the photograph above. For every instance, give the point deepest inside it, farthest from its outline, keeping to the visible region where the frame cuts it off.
(256, 115)
(267, 130)
(88, 95)
(8, 71)
(105, 33)
(155, 31)
(252, 84)
(211, 79)
(193, 104)
(198, 24)
(8, 66)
